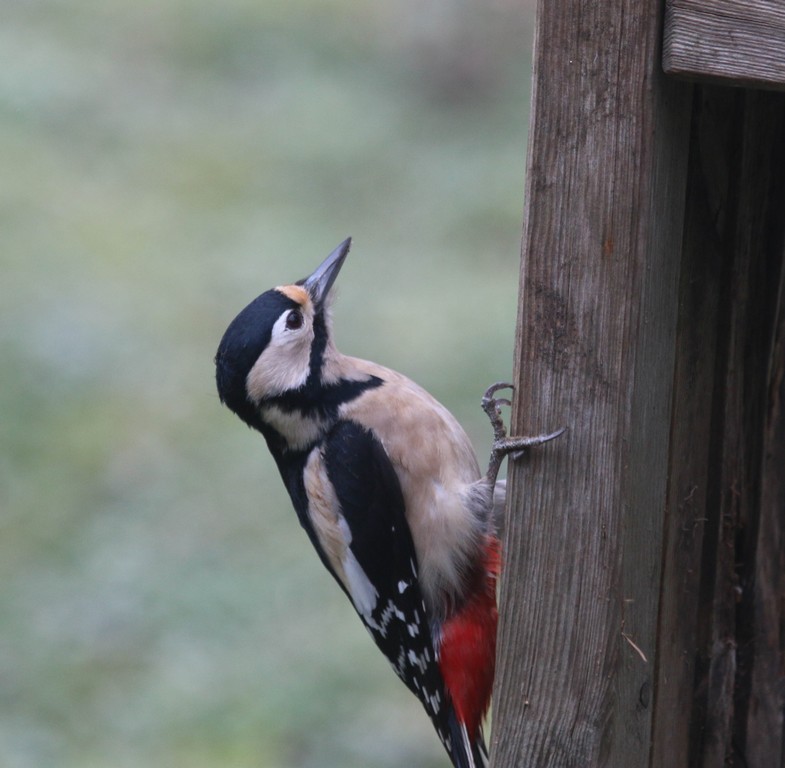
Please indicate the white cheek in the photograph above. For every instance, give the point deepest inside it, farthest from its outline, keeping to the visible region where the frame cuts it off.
(285, 363)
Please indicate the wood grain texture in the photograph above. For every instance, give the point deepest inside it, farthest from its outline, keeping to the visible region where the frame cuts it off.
(764, 737)
(721, 671)
(597, 322)
(688, 526)
(751, 501)
(737, 42)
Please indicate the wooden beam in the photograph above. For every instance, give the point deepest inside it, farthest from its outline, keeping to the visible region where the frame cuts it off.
(734, 42)
(596, 337)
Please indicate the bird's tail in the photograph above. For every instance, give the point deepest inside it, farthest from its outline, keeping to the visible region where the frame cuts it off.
(467, 752)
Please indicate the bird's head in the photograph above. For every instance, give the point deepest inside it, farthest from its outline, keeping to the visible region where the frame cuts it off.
(277, 343)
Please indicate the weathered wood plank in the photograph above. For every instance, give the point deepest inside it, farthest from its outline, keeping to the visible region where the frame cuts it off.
(755, 499)
(599, 276)
(720, 671)
(706, 220)
(764, 726)
(737, 42)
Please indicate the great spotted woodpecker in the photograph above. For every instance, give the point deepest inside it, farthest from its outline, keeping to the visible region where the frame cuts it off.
(387, 486)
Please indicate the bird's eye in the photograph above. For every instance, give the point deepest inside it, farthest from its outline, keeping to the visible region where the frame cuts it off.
(294, 320)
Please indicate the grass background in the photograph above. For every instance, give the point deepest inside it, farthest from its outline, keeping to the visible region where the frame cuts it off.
(163, 163)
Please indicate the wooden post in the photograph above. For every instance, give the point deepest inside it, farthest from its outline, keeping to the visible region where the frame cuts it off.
(596, 328)
(651, 324)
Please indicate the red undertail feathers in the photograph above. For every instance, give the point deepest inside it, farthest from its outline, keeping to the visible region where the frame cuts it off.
(468, 649)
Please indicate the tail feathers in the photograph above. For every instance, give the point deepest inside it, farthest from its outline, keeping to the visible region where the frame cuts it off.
(464, 752)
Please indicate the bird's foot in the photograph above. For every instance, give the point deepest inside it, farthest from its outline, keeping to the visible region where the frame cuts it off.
(502, 444)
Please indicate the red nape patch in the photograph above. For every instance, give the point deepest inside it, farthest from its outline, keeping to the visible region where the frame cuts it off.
(468, 650)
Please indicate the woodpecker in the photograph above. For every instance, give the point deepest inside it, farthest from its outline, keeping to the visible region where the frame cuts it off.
(387, 486)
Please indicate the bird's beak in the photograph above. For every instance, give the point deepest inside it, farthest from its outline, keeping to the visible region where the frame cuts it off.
(318, 284)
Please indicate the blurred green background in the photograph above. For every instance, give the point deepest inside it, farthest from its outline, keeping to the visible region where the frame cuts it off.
(162, 163)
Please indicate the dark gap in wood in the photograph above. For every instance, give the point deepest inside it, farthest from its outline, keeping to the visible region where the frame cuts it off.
(712, 195)
(736, 216)
(764, 151)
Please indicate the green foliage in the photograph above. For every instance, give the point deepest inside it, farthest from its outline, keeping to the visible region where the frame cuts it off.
(163, 162)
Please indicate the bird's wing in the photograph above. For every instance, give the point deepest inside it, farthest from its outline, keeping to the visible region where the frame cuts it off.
(356, 509)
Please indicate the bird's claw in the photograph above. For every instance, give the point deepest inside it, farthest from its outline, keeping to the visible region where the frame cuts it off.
(502, 444)
(492, 407)
(517, 445)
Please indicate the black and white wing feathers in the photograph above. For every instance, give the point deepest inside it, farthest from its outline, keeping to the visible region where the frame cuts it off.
(378, 569)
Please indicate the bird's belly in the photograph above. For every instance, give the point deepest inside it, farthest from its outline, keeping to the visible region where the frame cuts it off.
(448, 535)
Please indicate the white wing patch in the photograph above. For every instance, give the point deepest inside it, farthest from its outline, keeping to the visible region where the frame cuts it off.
(335, 536)
(363, 593)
